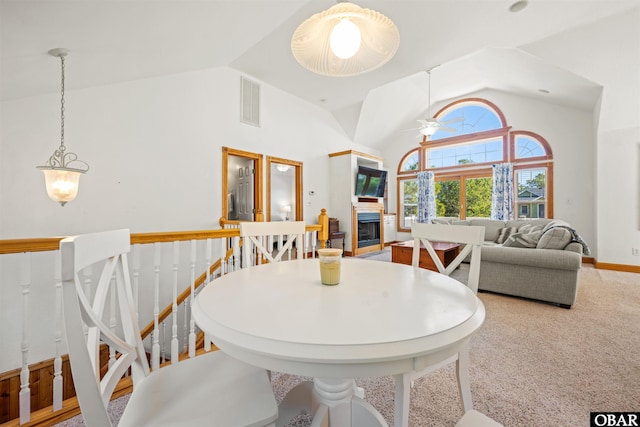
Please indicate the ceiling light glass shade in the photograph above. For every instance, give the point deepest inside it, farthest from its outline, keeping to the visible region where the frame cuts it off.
(62, 184)
(282, 168)
(345, 39)
(311, 42)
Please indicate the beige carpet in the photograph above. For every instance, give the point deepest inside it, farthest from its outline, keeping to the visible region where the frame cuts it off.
(532, 364)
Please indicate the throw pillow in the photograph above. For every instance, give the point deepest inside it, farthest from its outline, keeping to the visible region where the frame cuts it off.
(504, 233)
(524, 240)
(525, 229)
(554, 238)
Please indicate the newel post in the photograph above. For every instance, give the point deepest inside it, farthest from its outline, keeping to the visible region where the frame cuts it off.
(323, 234)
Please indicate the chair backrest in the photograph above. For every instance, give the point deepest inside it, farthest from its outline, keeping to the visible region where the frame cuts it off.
(471, 236)
(259, 239)
(85, 323)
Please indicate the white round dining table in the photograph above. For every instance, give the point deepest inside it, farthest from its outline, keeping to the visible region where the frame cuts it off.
(381, 319)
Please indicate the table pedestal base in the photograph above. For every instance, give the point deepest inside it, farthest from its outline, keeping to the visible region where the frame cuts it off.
(333, 402)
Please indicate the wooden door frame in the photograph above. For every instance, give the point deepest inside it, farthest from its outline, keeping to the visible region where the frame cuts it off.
(257, 180)
(299, 213)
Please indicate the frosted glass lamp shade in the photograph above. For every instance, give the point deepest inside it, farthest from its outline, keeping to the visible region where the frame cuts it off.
(314, 49)
(62, 184)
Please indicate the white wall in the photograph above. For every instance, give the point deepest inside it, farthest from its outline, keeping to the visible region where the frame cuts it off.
(608, 53)
(570, 134)
(619, 196)
(154, 147)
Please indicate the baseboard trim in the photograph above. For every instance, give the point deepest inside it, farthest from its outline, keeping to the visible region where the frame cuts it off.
(617, 267)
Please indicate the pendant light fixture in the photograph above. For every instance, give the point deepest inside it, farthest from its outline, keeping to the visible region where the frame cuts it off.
(345, 40)
(62, 171)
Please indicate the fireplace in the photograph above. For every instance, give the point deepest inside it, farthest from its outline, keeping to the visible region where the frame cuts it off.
(368, 229)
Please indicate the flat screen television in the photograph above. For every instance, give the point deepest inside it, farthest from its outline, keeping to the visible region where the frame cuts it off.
(370, 182)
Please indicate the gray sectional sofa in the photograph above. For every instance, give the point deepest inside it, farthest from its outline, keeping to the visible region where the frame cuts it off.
(538, 259)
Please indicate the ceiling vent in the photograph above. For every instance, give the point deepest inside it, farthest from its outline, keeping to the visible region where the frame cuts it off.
(249, 102)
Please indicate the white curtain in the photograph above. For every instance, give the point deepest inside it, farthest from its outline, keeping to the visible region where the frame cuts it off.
(426, 197)
(502, 194)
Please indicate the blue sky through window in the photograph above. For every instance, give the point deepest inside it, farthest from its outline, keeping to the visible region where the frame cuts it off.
(469, 118)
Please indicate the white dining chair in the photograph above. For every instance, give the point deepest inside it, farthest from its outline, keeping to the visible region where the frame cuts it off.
(209, 389)
(260, 238)
(474, 418)
(472, 238)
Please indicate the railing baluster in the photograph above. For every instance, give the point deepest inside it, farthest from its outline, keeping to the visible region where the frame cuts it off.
(25, 391)
(236, 253)
(174, 305)
(192, 324)
(207, 340)
(155, 348)
(314, 242)
(136, 276)
(164, 341)
(57, 361)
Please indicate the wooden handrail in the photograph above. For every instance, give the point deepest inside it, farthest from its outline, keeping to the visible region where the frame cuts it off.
(43, 244)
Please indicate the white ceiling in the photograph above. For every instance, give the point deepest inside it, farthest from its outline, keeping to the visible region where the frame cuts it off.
(478, 44)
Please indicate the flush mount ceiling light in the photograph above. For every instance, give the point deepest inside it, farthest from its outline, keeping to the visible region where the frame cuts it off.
(345, 40)
(62, 171)
(282, 168)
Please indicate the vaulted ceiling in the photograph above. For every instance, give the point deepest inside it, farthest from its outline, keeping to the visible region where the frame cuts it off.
(478, 44)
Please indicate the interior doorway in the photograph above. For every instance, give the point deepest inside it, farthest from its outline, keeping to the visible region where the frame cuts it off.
(241, 185)
(284, 190)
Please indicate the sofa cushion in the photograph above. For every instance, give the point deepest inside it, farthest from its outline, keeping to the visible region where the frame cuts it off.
(504, 233)
(491, 227)
(554, 238)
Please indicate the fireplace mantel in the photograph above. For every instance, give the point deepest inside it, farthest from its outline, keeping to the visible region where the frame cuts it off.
(365, 207)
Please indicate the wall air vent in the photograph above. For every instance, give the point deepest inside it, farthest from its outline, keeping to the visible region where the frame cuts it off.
(249, 102)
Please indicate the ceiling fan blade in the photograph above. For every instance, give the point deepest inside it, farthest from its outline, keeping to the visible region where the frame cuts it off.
(447, 129)
(454, 120)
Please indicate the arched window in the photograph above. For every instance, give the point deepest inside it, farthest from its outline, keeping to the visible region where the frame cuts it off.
(466, 117)
(474, 136)
(410, 162)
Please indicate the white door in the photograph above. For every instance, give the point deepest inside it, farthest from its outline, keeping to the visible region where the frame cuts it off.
(245, 193)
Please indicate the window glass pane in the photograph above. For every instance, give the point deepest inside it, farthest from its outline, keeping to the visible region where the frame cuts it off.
(409, 197)
(479, 152)
(411, 163)
(448, 198)
(469, 118)
(478, 197)
(532, 190)
(528, 147)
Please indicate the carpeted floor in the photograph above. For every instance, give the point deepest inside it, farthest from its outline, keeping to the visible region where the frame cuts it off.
(532, 364)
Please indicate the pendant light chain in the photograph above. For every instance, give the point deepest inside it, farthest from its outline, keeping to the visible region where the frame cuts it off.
(62, 148)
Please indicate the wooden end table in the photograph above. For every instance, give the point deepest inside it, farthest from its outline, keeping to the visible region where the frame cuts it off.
(403, 251)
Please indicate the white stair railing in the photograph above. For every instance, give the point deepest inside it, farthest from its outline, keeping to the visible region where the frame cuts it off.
(158, 275)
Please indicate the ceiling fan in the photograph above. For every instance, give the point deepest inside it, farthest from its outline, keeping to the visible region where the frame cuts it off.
(431, 125)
